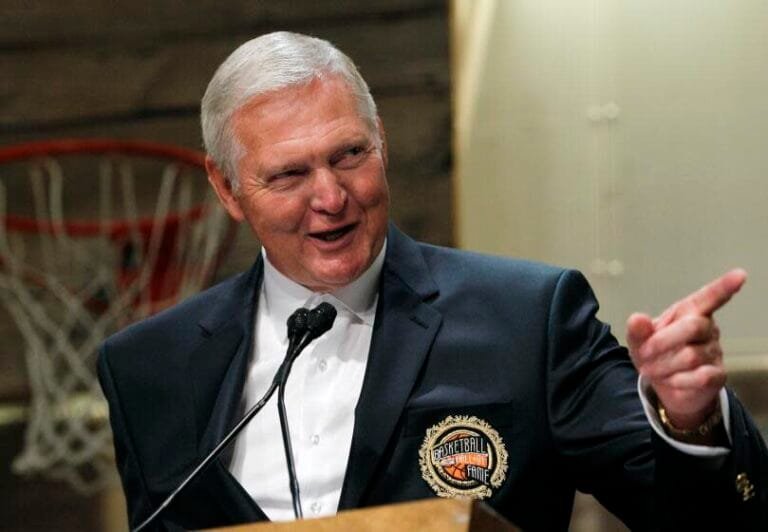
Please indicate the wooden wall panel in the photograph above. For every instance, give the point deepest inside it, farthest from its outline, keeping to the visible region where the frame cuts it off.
(44, 22)
(55, 87)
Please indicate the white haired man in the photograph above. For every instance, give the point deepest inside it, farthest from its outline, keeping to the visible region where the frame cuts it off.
(447, 373)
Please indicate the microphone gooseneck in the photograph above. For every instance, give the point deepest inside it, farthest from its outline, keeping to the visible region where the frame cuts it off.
(298, 332)
(319, 320)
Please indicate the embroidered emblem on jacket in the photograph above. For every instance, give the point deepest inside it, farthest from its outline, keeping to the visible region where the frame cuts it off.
(463, 456)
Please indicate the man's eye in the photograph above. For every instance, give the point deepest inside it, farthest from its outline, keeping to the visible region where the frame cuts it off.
(285, 174)
(350, 157)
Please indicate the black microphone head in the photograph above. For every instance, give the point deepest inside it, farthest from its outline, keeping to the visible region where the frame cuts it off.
(297, 322)
(321, 319)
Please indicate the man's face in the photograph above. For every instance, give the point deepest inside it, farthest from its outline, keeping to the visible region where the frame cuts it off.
(312, 183)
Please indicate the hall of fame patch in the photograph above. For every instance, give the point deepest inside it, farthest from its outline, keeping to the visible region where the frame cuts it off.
(463, 456)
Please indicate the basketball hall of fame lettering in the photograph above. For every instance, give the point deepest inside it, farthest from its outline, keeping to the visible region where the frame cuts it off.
(463, 456)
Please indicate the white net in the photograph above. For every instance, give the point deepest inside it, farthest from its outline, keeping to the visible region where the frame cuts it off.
(68, 284)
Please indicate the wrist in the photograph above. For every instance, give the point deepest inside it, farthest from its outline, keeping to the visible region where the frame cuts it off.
(697, 430)
(689, 421)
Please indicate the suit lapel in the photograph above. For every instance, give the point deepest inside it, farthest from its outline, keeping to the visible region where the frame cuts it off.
(403, 332)
(217, 372)
(217, 369)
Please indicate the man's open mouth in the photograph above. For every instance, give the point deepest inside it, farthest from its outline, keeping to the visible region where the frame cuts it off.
(330, 236)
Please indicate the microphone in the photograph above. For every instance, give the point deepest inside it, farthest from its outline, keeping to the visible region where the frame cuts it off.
(300, 334)
(319, 320)
(297, 326)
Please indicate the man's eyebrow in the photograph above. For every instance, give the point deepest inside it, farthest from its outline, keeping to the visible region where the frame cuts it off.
(360, 141)
(278, 168)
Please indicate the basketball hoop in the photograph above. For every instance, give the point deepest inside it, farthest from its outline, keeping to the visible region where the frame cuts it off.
(83, 256)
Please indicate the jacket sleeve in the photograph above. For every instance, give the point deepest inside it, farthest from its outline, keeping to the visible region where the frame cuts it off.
(608, 448)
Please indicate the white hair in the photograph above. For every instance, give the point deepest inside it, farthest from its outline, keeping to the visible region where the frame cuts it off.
(268, 63)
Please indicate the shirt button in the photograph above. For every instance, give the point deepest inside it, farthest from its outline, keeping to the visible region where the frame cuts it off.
(316, 507)
(315, 439)
(323, 365)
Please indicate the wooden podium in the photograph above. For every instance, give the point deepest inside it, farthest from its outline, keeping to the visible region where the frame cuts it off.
(431, 515)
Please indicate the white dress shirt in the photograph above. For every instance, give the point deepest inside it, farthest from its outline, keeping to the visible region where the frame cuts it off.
(320, 396)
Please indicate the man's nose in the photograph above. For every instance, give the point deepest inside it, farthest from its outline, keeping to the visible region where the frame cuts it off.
(328, 194)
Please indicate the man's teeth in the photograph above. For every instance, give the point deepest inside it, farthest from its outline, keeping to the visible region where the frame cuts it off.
(331, 235)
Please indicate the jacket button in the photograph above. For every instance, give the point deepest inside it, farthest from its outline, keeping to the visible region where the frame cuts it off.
(745, 487)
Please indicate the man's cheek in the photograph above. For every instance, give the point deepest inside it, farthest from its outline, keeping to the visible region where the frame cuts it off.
(288, 214)
(373, 194)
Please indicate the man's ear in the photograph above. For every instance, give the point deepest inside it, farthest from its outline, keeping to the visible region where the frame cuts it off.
(223, 188)
(383, 137)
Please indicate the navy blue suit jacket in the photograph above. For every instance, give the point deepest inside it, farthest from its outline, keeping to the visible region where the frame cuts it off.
(514, 343)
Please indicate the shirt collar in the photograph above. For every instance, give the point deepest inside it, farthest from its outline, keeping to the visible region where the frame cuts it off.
(283, 295)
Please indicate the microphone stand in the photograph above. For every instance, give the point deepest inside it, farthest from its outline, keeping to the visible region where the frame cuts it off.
(319, 321)
(286, 433)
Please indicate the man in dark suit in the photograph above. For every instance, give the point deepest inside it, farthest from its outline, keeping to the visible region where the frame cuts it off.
(448, 373)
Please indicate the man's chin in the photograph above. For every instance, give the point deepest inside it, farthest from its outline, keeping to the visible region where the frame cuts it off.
(328, 281)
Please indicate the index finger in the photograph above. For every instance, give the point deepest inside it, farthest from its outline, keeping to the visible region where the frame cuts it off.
(714, 295)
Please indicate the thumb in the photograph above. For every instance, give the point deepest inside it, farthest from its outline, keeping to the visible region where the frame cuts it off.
(639, 329)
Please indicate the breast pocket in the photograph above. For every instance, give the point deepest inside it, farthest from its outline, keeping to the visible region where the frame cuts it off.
(498, 415)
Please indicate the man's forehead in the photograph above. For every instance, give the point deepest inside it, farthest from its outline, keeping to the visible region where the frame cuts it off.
(319, 108)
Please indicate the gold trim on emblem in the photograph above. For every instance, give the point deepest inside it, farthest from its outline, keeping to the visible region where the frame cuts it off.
(463, 456)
